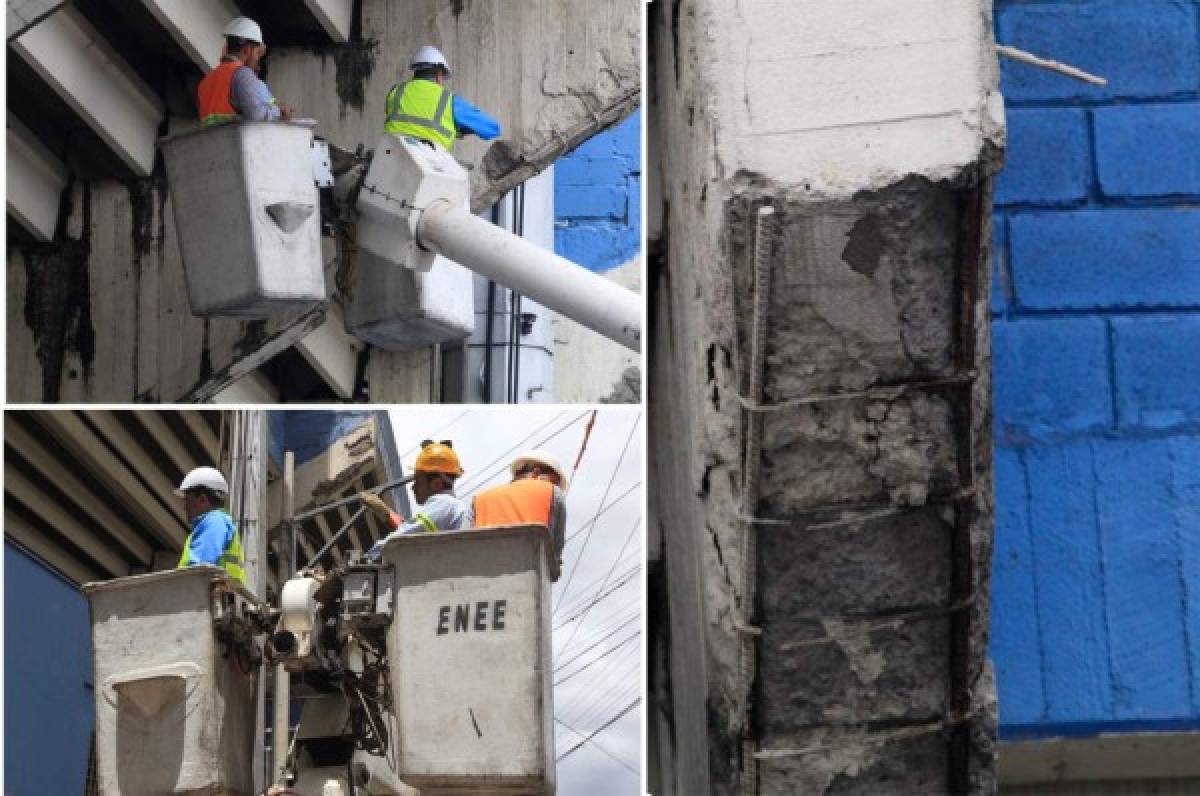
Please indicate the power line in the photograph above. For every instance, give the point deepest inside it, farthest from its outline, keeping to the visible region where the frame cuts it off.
(598, 658)
(593, 645)
(600, 597)
(633, 559)
(434, 434)
(636, 524)
(603, 509)
(481, 480)
(599, 730)
(596, 744)
(588, 538)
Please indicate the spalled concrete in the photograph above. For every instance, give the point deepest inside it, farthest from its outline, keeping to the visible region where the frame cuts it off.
(828, 629)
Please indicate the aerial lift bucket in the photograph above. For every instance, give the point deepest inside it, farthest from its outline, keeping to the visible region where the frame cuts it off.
(405, 296)
(174, 709)
(471, 660)
(248, 217)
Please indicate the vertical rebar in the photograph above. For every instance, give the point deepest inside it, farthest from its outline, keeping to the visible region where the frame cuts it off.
(751, 466)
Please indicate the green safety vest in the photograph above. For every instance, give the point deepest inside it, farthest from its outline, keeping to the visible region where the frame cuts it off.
(232, 559)
(422, 109)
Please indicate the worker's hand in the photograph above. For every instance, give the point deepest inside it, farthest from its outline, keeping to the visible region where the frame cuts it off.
(376, 506)
(286, 112)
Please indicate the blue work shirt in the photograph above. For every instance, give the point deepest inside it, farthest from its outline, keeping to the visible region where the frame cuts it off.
(469, 119)
(211, 534)
(251, 97)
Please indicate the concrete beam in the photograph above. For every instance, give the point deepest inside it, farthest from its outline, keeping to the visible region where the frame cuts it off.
(335, 17)
(85, 498)
(332, 353)
(89, 76)
(149, 468)
(30, 538)
(24, 14)
(76, 436)
(253, 388)
(34, 182)
(197, 27)
(1105, 758)
(66, 523)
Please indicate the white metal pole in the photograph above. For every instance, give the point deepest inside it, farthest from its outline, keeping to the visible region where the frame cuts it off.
(282, 695)
(557, 283)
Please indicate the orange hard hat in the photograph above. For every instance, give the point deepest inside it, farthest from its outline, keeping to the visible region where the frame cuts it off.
(438, 457)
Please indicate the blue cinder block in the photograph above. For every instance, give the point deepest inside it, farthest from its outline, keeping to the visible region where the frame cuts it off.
(1158, 372)
(1184, 451)
(1070, 583)
(1050, 377)
(1106, 258)
(1015, 645)
(1149, 150)
(1145, 600)
(586, 170)
(591, 202)
(1144, 48)
(599, 246)
(1047, 159)
(1000, 279)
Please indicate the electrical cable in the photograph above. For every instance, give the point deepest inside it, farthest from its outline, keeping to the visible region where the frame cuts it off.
(636, 524)
(602, 510)
(598, 658)
(599, 730)
(603, 499)
(594, 644)
(596, 744)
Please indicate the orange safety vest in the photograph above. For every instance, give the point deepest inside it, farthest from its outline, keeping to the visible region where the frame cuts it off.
(212, 95)
(517, 503)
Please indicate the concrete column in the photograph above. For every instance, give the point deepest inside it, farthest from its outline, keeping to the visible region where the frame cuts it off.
(820, 393)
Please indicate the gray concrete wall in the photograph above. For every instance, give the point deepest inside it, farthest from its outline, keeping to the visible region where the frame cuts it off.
(101, 315)
(828, 626)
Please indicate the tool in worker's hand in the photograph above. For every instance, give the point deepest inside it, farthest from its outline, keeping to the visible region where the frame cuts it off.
(375, 505)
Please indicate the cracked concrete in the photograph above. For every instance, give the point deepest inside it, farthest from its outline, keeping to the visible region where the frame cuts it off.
(842, 626)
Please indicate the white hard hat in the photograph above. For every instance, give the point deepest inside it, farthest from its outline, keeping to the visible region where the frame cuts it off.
(542, 458)
(430, 55)
(244, 28)
(208, 477)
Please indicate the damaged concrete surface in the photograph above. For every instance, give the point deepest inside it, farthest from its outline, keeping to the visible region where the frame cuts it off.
(108, 315)
(840, 610)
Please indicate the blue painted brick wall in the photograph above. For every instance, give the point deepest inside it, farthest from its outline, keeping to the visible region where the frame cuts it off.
(597, 198)
(1096, 310)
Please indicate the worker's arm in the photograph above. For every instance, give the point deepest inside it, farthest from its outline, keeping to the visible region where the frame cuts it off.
(209, 539)
(558, 521)
(252, 98)
(469, 519)
(471, 121)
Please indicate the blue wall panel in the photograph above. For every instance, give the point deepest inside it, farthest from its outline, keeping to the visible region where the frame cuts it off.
(48, 701)
(597, 198)
(1097, 371)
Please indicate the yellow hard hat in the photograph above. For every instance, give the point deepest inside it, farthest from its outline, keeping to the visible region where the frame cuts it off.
(438, 457)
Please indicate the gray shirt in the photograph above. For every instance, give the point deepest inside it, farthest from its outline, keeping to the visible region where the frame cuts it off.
(443, 510)
(251, 97)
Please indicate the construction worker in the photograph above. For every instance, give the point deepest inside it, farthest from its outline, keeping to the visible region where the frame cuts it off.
(214, 538)
(233, 90)
(425, 109)
(434, 474)
(535, 496)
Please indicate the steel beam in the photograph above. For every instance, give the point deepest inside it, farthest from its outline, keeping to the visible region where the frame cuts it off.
(34, 182)
(89, 76)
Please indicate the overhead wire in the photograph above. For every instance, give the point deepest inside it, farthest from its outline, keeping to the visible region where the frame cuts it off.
(600, 747)
(594, 644)
(636, 524)
(599, 729)
(602, 510)
(603, 499)
(611, 650)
